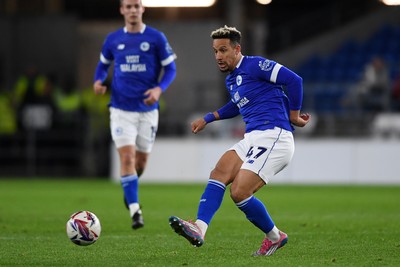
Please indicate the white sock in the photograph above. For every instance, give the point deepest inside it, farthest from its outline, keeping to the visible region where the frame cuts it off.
(133, 208)
(274, 235)
(203, 227)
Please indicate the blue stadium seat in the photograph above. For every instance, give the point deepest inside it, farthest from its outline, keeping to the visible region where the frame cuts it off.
(346, 65)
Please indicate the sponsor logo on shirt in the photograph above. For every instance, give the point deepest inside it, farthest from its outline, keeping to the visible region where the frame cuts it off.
(240, 102)
(132, 64)
(121, 46)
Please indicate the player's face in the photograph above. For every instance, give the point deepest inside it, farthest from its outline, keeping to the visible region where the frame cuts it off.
(226, 55)
(132, 10)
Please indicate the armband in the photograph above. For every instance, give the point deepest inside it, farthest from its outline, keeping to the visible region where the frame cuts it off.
(209, 117)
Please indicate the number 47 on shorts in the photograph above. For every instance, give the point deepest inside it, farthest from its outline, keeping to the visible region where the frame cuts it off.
(251, 153)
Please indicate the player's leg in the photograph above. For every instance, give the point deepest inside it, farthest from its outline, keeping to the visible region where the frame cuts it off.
(242, 190)
(124, 131)
(272, 153)
(133, 205)
(210, 201)
(146, 126)
(141, 162)
(130, 184)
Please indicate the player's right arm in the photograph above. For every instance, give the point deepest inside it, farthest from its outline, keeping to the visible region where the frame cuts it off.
(100, 76)
(101, 73)
(99, 88)
(228, 111)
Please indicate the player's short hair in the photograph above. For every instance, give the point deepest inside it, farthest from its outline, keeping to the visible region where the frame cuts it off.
(122, 1)
(226, 32)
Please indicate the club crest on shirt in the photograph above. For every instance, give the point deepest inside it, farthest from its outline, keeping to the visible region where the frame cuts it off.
(239, 80)
(121, 46)
(266, 65)
(145, 46)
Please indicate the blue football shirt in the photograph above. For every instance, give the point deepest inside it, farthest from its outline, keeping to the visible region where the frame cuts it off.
(256, 88)
(138, 61)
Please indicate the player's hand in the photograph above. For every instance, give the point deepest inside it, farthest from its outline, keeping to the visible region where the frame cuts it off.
(299, 120)
(152, 95)
(99, 88)
(198, 125)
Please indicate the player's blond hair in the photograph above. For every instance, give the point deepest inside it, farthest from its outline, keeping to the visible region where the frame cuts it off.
(226, 32)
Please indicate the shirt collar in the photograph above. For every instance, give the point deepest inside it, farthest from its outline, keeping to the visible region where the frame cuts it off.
(141, 30)
(240, 62)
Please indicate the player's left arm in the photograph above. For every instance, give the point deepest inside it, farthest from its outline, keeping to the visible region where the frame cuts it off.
(294, 87)
(164, 51)
(153, 94)
(168, 76)
(299, 119)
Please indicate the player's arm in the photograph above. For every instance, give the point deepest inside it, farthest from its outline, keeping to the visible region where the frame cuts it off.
(294, 87)
(168, 76)
(228, 111)
(100, 76)
(164, 51)
(153, 94)
(299, 119)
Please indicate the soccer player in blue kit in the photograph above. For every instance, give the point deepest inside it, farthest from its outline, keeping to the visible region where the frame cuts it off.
(255, 85)
(140, 54)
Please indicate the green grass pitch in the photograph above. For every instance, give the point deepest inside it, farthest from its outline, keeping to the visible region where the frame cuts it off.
(327, 226)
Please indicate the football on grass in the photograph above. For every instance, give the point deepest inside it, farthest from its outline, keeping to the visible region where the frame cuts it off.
(83, 228)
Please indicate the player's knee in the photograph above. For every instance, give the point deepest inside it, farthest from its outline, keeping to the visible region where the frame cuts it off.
(127, 159)
(140, 165)
(139, 171)
(238, 194)
(141, 162)
(221, 175)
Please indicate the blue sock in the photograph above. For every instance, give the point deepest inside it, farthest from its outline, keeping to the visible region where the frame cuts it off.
(210, 200)
(256, 213)
(130, 186)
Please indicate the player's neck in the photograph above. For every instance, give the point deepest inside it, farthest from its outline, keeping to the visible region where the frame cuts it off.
(238, 61)
(134, 28)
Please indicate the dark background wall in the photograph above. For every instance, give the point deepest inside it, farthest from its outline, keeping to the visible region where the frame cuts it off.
(63, 38)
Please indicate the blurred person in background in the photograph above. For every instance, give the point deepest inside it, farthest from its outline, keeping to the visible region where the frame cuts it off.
(8, 120)
(372, 92)
(140, 54)
(396, 93)
(255, 85)
(33, 99)
(70, 110)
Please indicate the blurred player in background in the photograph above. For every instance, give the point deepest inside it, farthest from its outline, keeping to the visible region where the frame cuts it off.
(255, 85)
(140, 54)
